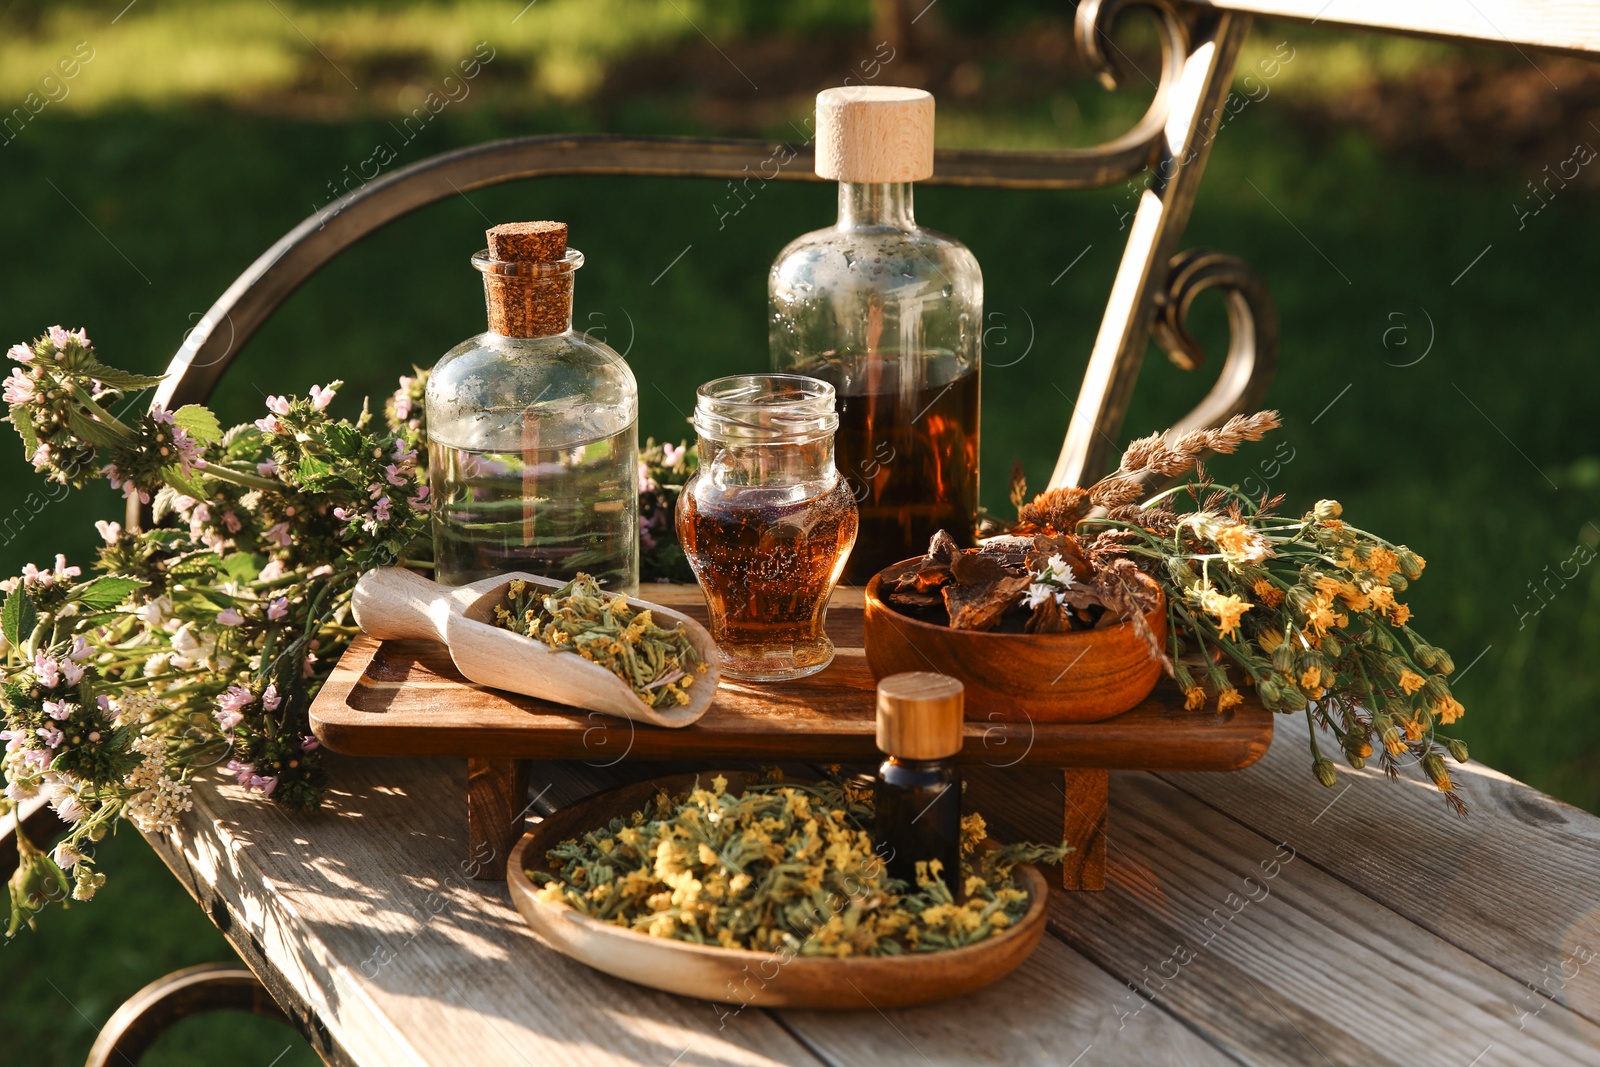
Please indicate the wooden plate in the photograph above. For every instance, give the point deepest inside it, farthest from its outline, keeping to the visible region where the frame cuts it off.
(734, 976)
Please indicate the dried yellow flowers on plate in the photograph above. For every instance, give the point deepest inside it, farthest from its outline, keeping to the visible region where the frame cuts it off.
(768, 892)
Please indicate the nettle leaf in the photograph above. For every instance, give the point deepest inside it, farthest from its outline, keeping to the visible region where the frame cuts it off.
(106, 592)
(22, 419)
(183, 483)
(194, 564)
(119, 379)
(313, 473)
(18, 617)
(199, 422)
(344, 439)
(92, 430)
(243, 567)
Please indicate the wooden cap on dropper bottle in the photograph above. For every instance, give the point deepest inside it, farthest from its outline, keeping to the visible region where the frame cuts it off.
(874, 133)
(920, 715)
(525, 302)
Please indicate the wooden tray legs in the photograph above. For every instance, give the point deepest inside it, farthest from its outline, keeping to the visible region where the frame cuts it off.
(1046, 805)
(497, 809)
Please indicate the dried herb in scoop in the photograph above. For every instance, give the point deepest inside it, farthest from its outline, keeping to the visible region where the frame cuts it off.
(659, 662)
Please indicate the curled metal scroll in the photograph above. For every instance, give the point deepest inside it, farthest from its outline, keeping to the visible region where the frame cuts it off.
(1252, 333)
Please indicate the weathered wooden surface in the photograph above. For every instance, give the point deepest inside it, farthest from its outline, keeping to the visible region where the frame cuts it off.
(1249, 918)
(1560, 25)
(405, 698)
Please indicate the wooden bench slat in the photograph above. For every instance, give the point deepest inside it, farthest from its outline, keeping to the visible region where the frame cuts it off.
(1516, 883)
(1293, 965)
(364, 909)
(1562, 25)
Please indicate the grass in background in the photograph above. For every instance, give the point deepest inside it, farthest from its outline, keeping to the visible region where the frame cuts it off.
(1478, 455)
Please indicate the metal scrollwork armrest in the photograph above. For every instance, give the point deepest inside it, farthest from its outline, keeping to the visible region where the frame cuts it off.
(1252, 332)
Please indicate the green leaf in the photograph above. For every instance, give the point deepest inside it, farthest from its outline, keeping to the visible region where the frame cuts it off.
(345, 439)
(183, 483)
(120, 379)
(18, 617)
(313, 472)
(200, 423)
(106, 592)
(96, 433)
(243, 567)
(22, 419)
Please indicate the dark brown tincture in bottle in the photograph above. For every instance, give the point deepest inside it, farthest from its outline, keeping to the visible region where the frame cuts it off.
(918, 792)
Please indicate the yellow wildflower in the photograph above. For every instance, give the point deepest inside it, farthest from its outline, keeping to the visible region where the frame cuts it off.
(1354, 598)
(1269, 640)
(1382, 598)
(1411, 681)
(1194, 698)
(1328, 588)
(1310, 678)
(1267, 593)
(1415, 728)
(1228, 698)
(1240, 544)
(1381, 562)
(1401, 614)
(1449, 710)
(1321, 616)
(1227, 609)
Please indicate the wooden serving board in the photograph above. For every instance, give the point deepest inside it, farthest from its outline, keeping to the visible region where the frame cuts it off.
(405, 698)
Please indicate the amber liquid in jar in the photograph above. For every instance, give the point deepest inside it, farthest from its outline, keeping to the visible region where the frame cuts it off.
(911, 461)
(767, 564)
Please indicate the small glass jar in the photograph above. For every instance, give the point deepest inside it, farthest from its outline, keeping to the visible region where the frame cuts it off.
(766, 522)
(533, 451)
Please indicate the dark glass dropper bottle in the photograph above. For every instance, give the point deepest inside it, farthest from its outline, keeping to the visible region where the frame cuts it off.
(917, 795)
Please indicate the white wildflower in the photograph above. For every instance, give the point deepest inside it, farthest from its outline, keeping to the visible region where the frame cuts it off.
(161, 799)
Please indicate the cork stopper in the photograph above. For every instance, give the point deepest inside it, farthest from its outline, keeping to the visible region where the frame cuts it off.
(874, 133)
(920, 715)
(527, 278)
(529, 242)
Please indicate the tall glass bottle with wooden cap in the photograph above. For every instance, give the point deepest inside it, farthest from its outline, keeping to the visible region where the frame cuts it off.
(917, 795)
(891, 315)
(533, 444)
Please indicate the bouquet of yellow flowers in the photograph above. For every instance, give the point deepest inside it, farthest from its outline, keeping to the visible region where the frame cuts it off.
(1307, 610)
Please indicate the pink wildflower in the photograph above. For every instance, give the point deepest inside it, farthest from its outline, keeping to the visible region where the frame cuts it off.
(21, 353)
(229, 617)
(278, 405)
(48, 670)
(270, 698)
(279, 535)
(231, 705)
(268, 469)
(308, 743)
(57, 709)
(381, 509)
(110, 531)
(392, 473)
(19, 387)
(321, 397)
(278, 609)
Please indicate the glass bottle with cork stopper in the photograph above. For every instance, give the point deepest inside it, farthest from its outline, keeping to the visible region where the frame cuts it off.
(891, 315)
(533, 449)
(917, 795)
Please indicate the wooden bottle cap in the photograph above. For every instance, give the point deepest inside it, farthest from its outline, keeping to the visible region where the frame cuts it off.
(874, 133)
(528, 242)
(920, 715)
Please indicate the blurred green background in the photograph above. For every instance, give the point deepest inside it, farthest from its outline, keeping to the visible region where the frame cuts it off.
(1437, 361)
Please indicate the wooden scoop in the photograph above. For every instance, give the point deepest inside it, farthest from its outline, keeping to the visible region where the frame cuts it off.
(391, 603)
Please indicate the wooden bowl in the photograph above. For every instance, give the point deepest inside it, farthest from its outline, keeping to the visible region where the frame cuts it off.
(736, 976)
(1080, 676)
